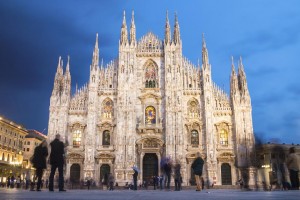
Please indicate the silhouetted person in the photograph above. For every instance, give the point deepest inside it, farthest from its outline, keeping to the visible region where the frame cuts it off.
(135, 175)
(88, 183)
(57, 161)
(39, 162)
(197, 167)
(177, 176)
(111, 181)
(292, 163)
(168, 170)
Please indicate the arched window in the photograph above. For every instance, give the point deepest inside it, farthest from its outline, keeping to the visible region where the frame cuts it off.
(193, 109)
(77, 138)
(224, 137)
(150, 75)
(107, 108)
(194, 138)
(8, 158)
(2, 156)
(150, 115)
(106, 137)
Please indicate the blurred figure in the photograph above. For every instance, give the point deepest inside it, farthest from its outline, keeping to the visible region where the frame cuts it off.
(8, 182)
(197, 166)
(177, 176)
(57, 161)
(167, 168)
(88, 183)
(39, 162)
(135, 175)
(111, 181)
(292, 163)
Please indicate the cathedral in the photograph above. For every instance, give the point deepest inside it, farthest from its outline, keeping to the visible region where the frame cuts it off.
(149, 103)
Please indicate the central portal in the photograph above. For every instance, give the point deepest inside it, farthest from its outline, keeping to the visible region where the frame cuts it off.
(150, 166)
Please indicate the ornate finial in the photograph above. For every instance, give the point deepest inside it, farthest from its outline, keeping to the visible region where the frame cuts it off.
(96, 44)
(124, 18)
(203, 41)
(176, 35)
(167, 17)
(132, 15)
(68, 64)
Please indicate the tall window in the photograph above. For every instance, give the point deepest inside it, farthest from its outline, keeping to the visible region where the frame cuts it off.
(194, 137)
(150, 115)
(151, 76)
(77, 138)
(193, 109)
(107, 108)
(106, 138)
(224, 137)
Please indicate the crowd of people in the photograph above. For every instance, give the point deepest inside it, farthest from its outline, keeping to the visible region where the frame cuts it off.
(169, 169)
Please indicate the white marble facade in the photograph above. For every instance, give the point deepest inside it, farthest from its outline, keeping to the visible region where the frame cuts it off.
(152, 100)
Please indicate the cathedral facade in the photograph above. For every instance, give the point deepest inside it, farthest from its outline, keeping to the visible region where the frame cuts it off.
(150, 103)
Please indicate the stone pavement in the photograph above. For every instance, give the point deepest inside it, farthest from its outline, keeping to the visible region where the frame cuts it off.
(212, 194)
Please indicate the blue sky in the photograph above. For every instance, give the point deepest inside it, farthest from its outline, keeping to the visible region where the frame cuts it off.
(266, 33)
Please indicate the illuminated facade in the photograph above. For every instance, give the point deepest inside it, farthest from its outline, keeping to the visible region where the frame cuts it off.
(148, 103)
(12, 136)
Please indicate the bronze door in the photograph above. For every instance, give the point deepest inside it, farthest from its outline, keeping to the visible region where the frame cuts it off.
(150, 166)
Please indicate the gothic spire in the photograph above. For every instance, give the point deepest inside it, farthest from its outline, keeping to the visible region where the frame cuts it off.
(167, 30)
(124, 38)
(176, 36)
(242, 78)
(205, 61)
(132, 30)
(233, 80)
(59, 70)
(67, 78)
(95, 60)
(232, 66)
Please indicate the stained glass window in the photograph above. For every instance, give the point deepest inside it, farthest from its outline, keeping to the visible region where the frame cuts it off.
(150, 115)
(223, 137)
(76, 138)
(107, 107)
(150, 76)
(194, 137)
(106, 138)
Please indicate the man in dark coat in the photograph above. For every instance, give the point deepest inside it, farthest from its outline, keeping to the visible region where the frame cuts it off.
(57, 161)
(39, 162)
(197, 167)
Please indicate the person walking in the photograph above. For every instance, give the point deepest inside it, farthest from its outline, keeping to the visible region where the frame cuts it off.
(292, 163)
(197, 167)
(39, 163)
(135, 175)
(57, 161)
(111, 181)
(168, 170)
(177, 176)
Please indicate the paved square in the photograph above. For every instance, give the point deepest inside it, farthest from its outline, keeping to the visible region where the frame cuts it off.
(7, 194)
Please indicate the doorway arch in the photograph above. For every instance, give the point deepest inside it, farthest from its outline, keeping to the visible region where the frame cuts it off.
(226, 174)
(104, 171)
(150, 166)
